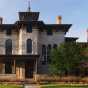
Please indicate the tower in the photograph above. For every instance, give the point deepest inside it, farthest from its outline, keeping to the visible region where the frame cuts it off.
(28, 15)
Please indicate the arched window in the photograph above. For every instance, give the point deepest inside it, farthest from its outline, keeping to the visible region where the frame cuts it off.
(48, 52)
(29, 46)
(48, 49)
(55, 46)
(44, 54)
(8, 47)
(43, 50)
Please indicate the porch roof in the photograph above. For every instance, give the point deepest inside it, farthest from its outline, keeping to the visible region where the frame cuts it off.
(19, 57)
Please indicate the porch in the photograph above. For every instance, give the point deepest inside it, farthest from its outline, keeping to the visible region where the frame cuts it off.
(18, 67)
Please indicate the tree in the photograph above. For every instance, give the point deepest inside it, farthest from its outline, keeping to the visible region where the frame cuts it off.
(66, 59)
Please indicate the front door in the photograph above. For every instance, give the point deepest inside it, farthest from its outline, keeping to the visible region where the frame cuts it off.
(29, 68)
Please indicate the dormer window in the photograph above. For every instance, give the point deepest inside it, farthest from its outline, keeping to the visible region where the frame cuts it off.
(29, 28)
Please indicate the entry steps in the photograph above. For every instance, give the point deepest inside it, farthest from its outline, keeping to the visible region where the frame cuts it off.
(31, 86)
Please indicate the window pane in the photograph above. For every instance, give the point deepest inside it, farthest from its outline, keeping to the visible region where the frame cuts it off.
(8, 46)
(29, 46)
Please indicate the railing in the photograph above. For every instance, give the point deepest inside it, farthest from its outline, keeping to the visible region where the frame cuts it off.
(68, 79)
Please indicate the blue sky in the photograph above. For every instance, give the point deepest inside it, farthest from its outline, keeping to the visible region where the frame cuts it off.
(72, 11)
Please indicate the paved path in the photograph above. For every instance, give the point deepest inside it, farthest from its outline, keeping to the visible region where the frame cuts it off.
(31, 86)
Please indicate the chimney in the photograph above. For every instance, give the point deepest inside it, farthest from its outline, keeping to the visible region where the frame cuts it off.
(58, 20)
(1, 20)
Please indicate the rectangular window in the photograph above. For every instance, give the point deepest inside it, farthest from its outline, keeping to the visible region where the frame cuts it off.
(55, 46)
(49, 32)
(29, 28)
(8, 31)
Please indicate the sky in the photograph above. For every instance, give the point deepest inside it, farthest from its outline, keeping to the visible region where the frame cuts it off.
(73, 12)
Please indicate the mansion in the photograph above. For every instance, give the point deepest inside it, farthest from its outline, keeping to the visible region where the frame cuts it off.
(25, 45)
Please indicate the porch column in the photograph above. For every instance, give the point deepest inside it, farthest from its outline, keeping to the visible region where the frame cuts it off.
(3, 69)
(14, 66)
(36, 67)
(20, 71)
(36, 76)
(20, 42)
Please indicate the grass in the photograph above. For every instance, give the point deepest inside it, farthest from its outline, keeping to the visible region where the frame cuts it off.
(64, 86)
(48, 86)
(10, 86)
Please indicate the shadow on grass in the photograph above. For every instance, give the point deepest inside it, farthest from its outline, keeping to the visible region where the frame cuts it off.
(64, 86)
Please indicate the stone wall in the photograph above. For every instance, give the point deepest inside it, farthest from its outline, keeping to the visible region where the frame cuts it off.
(38, 39)
(23, 41)
(19, 40)
(44, 39)
(4, 37)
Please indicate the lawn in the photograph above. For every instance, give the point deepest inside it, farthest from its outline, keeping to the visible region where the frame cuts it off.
(9, 86)
(47, 86)
(64, 86)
